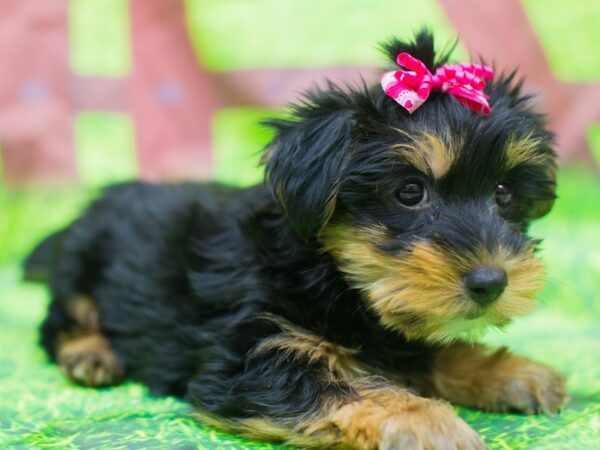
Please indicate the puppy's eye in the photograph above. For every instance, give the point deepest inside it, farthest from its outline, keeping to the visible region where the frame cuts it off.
(504, 193)
(412, 193)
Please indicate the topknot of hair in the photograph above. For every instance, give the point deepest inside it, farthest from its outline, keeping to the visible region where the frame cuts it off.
(421, 47)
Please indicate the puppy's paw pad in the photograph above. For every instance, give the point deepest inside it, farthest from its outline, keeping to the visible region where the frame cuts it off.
(436, 427)
(534, 389)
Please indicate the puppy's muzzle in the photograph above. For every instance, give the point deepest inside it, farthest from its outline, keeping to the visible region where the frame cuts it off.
(478, 236)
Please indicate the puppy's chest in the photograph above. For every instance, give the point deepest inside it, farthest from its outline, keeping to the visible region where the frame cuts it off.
(395, 359)
(401, 362)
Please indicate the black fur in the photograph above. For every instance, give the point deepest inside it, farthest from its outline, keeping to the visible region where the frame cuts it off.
(182, 274)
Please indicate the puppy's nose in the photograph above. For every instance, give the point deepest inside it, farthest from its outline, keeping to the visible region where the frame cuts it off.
(485, 284)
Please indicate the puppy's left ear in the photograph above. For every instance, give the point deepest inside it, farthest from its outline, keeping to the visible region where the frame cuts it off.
(304, 161)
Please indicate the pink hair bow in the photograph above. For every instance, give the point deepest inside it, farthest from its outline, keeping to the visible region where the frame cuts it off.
(410, 88)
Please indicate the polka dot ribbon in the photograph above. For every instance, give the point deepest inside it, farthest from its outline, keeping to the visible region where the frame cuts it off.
(410, 88)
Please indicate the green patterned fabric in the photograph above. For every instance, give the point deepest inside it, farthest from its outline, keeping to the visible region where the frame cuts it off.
(39, 408)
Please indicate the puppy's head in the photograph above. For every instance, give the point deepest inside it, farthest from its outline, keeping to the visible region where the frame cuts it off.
(426, 214)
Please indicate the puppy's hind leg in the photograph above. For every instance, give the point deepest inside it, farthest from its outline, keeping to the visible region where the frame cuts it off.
(80, 348)
(90, 361)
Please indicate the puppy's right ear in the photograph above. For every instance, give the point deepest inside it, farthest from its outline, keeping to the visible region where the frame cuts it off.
(303, 163)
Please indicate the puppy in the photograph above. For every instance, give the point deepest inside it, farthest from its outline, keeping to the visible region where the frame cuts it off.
(337, 305)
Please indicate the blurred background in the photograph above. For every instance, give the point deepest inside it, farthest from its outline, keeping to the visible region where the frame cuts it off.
(99, 91)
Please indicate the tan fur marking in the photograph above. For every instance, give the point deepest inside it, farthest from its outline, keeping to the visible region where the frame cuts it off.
(263, 428)
(473, 376)
(421, 292)
(429, 153)
(296, 342)
(330, 206)
(380, 417)
(83, 311)
(525, 150)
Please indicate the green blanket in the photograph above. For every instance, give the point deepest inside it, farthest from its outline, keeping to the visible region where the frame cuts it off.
(39, 408)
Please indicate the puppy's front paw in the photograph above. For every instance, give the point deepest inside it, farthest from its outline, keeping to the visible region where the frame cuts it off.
(499, 381)
(532, 388)
(433, 426)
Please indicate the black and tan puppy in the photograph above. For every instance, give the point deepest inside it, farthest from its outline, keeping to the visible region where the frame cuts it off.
(337, 305)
